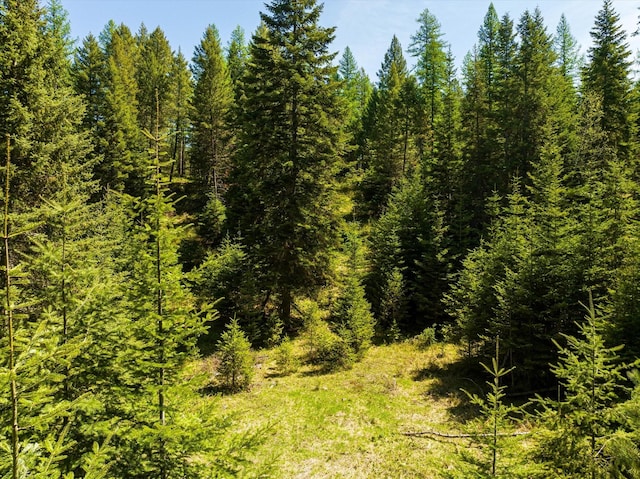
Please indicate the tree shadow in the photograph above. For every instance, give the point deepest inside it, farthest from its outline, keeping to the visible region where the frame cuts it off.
(449, 382)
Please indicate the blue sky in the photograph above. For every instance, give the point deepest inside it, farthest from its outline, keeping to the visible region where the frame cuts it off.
(366, 26)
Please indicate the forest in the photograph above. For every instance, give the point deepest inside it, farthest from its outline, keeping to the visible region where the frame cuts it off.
(168, 221)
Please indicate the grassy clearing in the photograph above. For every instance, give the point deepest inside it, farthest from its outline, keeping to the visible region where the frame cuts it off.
(349, 424)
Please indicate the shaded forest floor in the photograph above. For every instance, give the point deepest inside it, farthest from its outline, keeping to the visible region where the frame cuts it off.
(350, 424)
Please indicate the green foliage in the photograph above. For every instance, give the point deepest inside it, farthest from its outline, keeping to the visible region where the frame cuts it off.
(499, 454)
(607, 76)
(409, 238)
(567, 50)
(429, 49)
(211, 136)
(281, 196)
(582, 424)
(356, 90)
(237, 56)
(125, 166)
(236, 358)
(225, 279)
(286, 360)
(392, 306)
(426, 338)
(326, 348)
(388, 146)
(352, 315)
(505, 193)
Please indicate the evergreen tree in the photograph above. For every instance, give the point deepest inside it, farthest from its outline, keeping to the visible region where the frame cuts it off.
(583, 421)
(236, 362)
(429, 49)
(489, 41)
(180, 113)
(281, 199)
(478, 178)
(154, 74)
(445, 168)
(211, 136)
(124, 167)
(535, 74)
(163, 328)
(607, 76)
(89, 77)
(37, 108)
(356, 90)
(58, 29)
(389, 145)
(567, 50)
(409, 236)
(237, 56)
(501, 454)
(352, 312)
(394, 64)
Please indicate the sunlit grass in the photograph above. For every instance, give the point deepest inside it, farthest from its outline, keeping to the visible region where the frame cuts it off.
(350, 424)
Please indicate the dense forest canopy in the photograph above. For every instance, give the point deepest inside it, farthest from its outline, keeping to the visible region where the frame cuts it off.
(265, 187)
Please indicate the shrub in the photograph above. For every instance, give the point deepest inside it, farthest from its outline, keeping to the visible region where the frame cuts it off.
(426, 338)
(286, 360)
(236, 361)
(353, 314)
(326, 348)
(335, 354)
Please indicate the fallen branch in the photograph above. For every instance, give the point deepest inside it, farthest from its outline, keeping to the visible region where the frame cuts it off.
(463, 436)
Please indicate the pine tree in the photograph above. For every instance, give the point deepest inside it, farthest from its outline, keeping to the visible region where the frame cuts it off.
(607, 76)
(501, 453)
(182, 87)
(89, 76)
(124, 167)
(430, 50)
(535, 74)
(37, 108)
(356, 90)
(351, 313)
(478, 179)
(409, 236)
(32, 359)
(281, 199)
(236, 362)
(390, 147)
(154, 74)
(211, 136)
(567, 50)
(237, 56)
(445, 169)
(583, 420)
(58, 29)
(164, 325)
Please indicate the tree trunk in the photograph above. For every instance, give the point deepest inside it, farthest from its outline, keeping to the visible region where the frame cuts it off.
(285, 308)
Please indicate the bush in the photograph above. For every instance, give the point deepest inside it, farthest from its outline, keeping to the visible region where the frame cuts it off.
(335, 354)
(286, 360)
(326, 348)
(353, 314)
(426, 338)
(236, 361)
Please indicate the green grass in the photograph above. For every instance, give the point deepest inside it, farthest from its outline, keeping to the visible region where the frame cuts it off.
(350, 424)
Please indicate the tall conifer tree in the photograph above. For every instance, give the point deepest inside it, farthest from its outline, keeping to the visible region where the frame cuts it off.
(429, 49)
(237, 55)
(607, 76)
(282, 187)
(211, 140)
(124, 166)
(388, 143)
